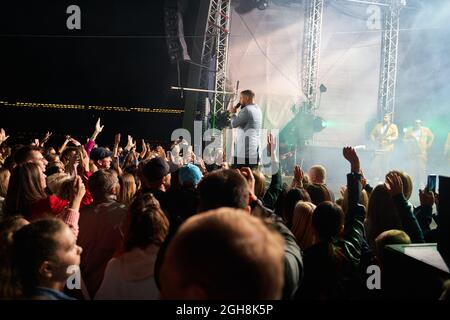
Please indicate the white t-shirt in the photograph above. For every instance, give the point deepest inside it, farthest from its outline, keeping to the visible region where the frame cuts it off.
(130, 277)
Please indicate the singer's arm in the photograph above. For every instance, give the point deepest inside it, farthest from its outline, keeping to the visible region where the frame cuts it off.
(241, 119)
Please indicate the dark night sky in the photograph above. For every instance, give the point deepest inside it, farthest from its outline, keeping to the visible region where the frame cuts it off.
(41, 61)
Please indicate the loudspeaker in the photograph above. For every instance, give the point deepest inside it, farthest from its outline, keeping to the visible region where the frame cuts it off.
(176, 43)
(443, 244)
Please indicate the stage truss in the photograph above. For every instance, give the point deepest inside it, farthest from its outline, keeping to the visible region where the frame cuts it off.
(389, 52)
(215, 49)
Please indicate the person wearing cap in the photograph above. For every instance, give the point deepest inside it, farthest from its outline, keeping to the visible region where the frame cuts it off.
(189, 175)
(419, 139)
(186, 195)
(101, 157)
(156, 175)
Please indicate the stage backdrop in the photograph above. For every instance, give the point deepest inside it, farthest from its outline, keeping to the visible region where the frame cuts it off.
(266, 56)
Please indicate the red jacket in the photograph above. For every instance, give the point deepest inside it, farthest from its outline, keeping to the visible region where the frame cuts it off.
(54, 207)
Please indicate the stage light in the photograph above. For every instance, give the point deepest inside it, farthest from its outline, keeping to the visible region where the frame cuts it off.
(319, 124)
(262, 4)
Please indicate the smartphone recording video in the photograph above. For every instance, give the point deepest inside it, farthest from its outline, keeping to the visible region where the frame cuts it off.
(431, 183)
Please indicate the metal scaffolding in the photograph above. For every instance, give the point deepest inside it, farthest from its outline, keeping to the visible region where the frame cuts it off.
(389, 52)
(215, 49)
(311, 52)
(389, 57)
(215, 55)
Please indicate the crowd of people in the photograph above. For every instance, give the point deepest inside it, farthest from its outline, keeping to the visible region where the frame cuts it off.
(153, 224)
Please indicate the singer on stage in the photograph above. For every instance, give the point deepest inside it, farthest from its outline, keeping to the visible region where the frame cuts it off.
(246, 116)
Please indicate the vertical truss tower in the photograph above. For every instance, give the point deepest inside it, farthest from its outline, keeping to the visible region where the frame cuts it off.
(311, 52)
(389, 56)
(215, 57)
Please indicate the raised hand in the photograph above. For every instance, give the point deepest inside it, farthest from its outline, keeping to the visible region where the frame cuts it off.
(298, 173)
(351, 156)
(130, 143)
(394, 184)
(98, 129)
(144, 149)
(298, 177)
(85, 160)
(117, 139)
(79, 188)
(342, 191)
(78, 193)
(248, 175)
(271, 144)
(3, 136)
(202, 165)
(98, 126)
(426, 198)
(75, 142)
(363, 180)
(161, 152)
(46, 137)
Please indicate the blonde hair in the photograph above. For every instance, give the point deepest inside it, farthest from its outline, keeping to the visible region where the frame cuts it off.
(56, 183)
(364, 201)
(389, 237)
(127, 188)
(320, 173)
(260, 183)
(302, 228)
(382, 214)
(406, 181)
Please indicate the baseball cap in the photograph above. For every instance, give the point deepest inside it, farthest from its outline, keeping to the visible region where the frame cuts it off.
(156, 169)
(189, 174)
(100, 153)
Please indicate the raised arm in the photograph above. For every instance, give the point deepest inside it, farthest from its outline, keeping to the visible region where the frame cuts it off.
(45, 139)
(98, 129)
(71, 215)
(116, 145)
(64, 145)
(275, 187)
(3, 136)
(143, 150)
(354, 227)
(410, 225)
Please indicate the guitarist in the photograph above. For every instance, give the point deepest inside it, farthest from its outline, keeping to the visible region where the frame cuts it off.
(418, 140)
(383, 135)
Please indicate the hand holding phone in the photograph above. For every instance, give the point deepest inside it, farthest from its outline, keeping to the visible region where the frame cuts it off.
(431, 183)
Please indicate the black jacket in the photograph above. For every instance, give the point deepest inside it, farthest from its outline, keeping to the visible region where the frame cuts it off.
(273, 191)
(424, 216)
(408, 219)
(331, 268)
(293, 262)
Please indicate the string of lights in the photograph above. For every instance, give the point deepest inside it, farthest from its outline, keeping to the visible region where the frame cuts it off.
(88, 107)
